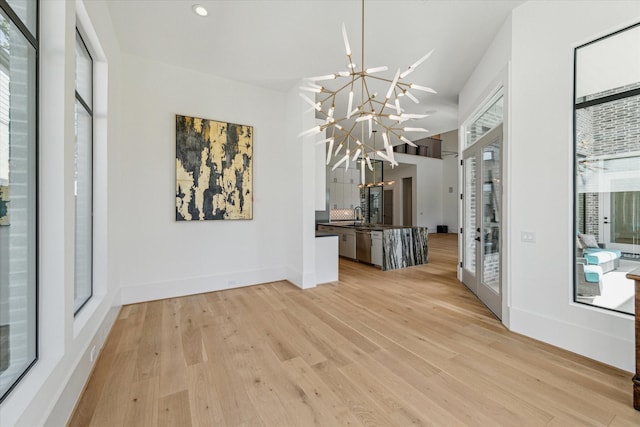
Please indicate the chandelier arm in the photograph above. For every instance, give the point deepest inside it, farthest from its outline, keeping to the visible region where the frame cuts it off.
(394, 133)
(370, 99)
(333, 93)
(329, 96)
(384, 79)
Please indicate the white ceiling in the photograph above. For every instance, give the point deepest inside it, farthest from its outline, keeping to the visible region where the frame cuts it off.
(273, 44)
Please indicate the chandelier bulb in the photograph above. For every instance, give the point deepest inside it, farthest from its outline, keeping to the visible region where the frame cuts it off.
(422, 88)
(405, 140)
(312, 89)
(413, 66)
(344, 159)
(386, 141)
(376, 69)
(329, 151)
(410, 96)
(347, 48)
(325, 77)
(393, 84)
(350, 104)
(313, 130)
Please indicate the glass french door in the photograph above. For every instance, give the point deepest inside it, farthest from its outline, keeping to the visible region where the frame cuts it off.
(482, 230)
(620, 224)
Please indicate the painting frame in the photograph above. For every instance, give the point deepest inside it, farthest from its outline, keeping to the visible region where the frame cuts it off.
(214, 170)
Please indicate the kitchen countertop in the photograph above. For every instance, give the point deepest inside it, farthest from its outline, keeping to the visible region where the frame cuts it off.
(360, 226)
(325, 234)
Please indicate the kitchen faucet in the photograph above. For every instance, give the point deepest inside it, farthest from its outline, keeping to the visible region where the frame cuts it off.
(357, 217)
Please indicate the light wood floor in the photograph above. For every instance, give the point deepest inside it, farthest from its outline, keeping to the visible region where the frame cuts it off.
(378, 348)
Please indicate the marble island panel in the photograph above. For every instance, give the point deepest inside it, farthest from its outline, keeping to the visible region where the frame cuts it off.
(404, 247)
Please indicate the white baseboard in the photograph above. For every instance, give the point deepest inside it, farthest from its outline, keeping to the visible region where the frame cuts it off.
(134, 293)
(64, 406)
(301, 280)
(580, 339)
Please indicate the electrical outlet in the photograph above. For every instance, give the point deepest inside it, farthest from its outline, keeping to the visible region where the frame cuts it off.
(528, 236)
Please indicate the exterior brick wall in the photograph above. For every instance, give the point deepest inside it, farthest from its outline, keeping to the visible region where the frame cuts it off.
(616, 131)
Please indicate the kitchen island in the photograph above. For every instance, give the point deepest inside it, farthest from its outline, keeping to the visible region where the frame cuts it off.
(387, 246)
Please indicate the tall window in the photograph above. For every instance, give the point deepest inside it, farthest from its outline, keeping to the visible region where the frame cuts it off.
(607, 169)
(83, 175)
(18, 180)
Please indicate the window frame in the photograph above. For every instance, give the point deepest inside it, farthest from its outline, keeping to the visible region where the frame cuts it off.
(32, 40)
(89, 110)
(576, 107)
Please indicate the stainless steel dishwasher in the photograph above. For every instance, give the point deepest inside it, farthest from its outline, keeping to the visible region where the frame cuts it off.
(363, 246)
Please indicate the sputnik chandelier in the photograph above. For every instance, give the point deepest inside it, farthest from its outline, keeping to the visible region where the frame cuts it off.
(355, 129)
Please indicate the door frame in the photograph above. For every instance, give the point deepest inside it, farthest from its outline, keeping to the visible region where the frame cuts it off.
(482, 99)
(474, 281)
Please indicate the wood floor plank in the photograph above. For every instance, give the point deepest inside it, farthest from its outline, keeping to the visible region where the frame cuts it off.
(111, 406)
(133, 330)
(142, 407)
(94, 388)
(173, 367)
(174, 410)
(203, 397)
(366, 409)
(148, 362)
(391, 390)
(234, 401)
(396, 348)
(190, 332)
(327, 408)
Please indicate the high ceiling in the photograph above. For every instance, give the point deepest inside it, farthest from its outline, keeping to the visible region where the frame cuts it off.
(273, 44)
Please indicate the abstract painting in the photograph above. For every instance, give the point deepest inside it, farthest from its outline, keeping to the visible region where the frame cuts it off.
(214, 170)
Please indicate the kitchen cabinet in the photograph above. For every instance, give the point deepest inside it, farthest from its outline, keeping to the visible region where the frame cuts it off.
(347, 244)
(346, 239)
(343, 188)
(376, 248)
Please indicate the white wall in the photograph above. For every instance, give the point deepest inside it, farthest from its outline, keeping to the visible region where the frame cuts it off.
(158, 256)
(534, 53)
(397, 174)
(47, 394)
(481, 82)
(427, 191)
(450, 165)
(544, 36)
(298, 189)
(491, 74)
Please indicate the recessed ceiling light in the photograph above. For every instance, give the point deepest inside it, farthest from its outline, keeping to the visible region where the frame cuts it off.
(200, 10)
